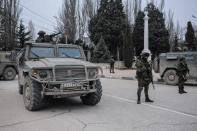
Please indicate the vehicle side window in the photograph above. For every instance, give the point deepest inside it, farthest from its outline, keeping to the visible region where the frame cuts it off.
(189, 56)
(36, 52)
(69, 52)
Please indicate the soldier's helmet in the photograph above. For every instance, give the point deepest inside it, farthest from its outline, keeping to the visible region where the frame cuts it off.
(181, 58)
(145, 54)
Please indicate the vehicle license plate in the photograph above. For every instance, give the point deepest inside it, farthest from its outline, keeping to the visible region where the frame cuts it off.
(71, 84)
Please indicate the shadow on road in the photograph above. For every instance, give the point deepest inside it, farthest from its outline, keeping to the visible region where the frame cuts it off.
(69, 104)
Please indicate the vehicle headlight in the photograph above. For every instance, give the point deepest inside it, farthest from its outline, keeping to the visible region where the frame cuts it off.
(92, 73)
(42, 74)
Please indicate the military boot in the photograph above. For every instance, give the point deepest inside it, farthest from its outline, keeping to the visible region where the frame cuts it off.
(180, 90)
(138, 100)
(183, 91)
(148, 100)
(147, 97)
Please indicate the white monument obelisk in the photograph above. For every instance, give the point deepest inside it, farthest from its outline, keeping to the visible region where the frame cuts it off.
(146, 37)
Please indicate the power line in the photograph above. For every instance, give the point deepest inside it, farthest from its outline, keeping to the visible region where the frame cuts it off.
(12, 19)
(41, 27)
(36, 14)
(39, 20)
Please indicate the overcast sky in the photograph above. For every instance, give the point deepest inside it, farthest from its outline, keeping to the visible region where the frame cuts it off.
(183, 11)
(41, 12)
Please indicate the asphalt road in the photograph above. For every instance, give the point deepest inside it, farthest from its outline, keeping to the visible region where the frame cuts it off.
(117, 110)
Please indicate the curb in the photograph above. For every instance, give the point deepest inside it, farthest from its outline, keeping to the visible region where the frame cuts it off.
(159, 81)
(121, 78)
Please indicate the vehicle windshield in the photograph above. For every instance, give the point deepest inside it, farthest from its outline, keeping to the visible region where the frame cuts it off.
(69, 52)
(42, 52)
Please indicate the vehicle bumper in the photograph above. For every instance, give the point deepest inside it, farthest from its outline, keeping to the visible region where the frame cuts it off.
(58, 89)
(68, 93)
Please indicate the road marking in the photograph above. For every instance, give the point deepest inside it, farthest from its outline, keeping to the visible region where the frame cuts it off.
(153, 106)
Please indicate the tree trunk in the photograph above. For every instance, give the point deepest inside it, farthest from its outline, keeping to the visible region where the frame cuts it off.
(118, 54)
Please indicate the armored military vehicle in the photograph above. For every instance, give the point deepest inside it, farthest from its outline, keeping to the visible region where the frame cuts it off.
(8, 67)
(165, 64)
(56, 70)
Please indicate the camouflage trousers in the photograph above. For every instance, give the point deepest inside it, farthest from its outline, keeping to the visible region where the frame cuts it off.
(111, 68)
(181, 81)
(143, 84)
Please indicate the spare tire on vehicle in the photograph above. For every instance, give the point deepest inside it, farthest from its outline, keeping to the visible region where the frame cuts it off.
(170, 77)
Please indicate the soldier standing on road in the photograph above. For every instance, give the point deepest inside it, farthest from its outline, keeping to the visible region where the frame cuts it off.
(182, 70)
(144, 76)
(112, 61)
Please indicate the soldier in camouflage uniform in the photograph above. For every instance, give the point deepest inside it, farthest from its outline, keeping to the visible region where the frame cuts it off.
(144, 76)
(182, 70)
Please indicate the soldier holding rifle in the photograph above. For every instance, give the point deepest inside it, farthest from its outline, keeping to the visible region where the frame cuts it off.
(182, 71)
(144, 76)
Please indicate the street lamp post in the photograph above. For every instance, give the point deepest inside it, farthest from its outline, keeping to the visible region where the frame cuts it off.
(146, 36)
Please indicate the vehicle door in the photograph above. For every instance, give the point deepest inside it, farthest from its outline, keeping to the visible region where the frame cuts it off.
(192, 64)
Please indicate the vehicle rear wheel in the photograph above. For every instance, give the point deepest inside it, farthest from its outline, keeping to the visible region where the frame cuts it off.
(9, 73)
(170, 77)
(95, 97)
(32, 94)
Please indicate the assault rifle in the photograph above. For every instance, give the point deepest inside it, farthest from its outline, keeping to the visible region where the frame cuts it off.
(153, 83)
(150, 73)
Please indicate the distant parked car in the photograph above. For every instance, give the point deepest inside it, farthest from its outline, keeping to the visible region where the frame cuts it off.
(8, 67)
(165, 64)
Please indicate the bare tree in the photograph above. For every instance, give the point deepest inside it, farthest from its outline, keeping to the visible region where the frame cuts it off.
(161, 6)
(67, 20)
(84, 14)
(88, 13)
(128, 10)
(96, 5)
(137, 7)
(10, 12)
(83, 20)
(132, 7)
(79, 20)
(178, 28)
(180, 31)
(31, 29)
(1, 22)
(170, 27)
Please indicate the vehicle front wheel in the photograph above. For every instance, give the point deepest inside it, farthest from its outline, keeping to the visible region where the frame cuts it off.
(9, 73)
(95, 97)
(32, 94)
(170, 77)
